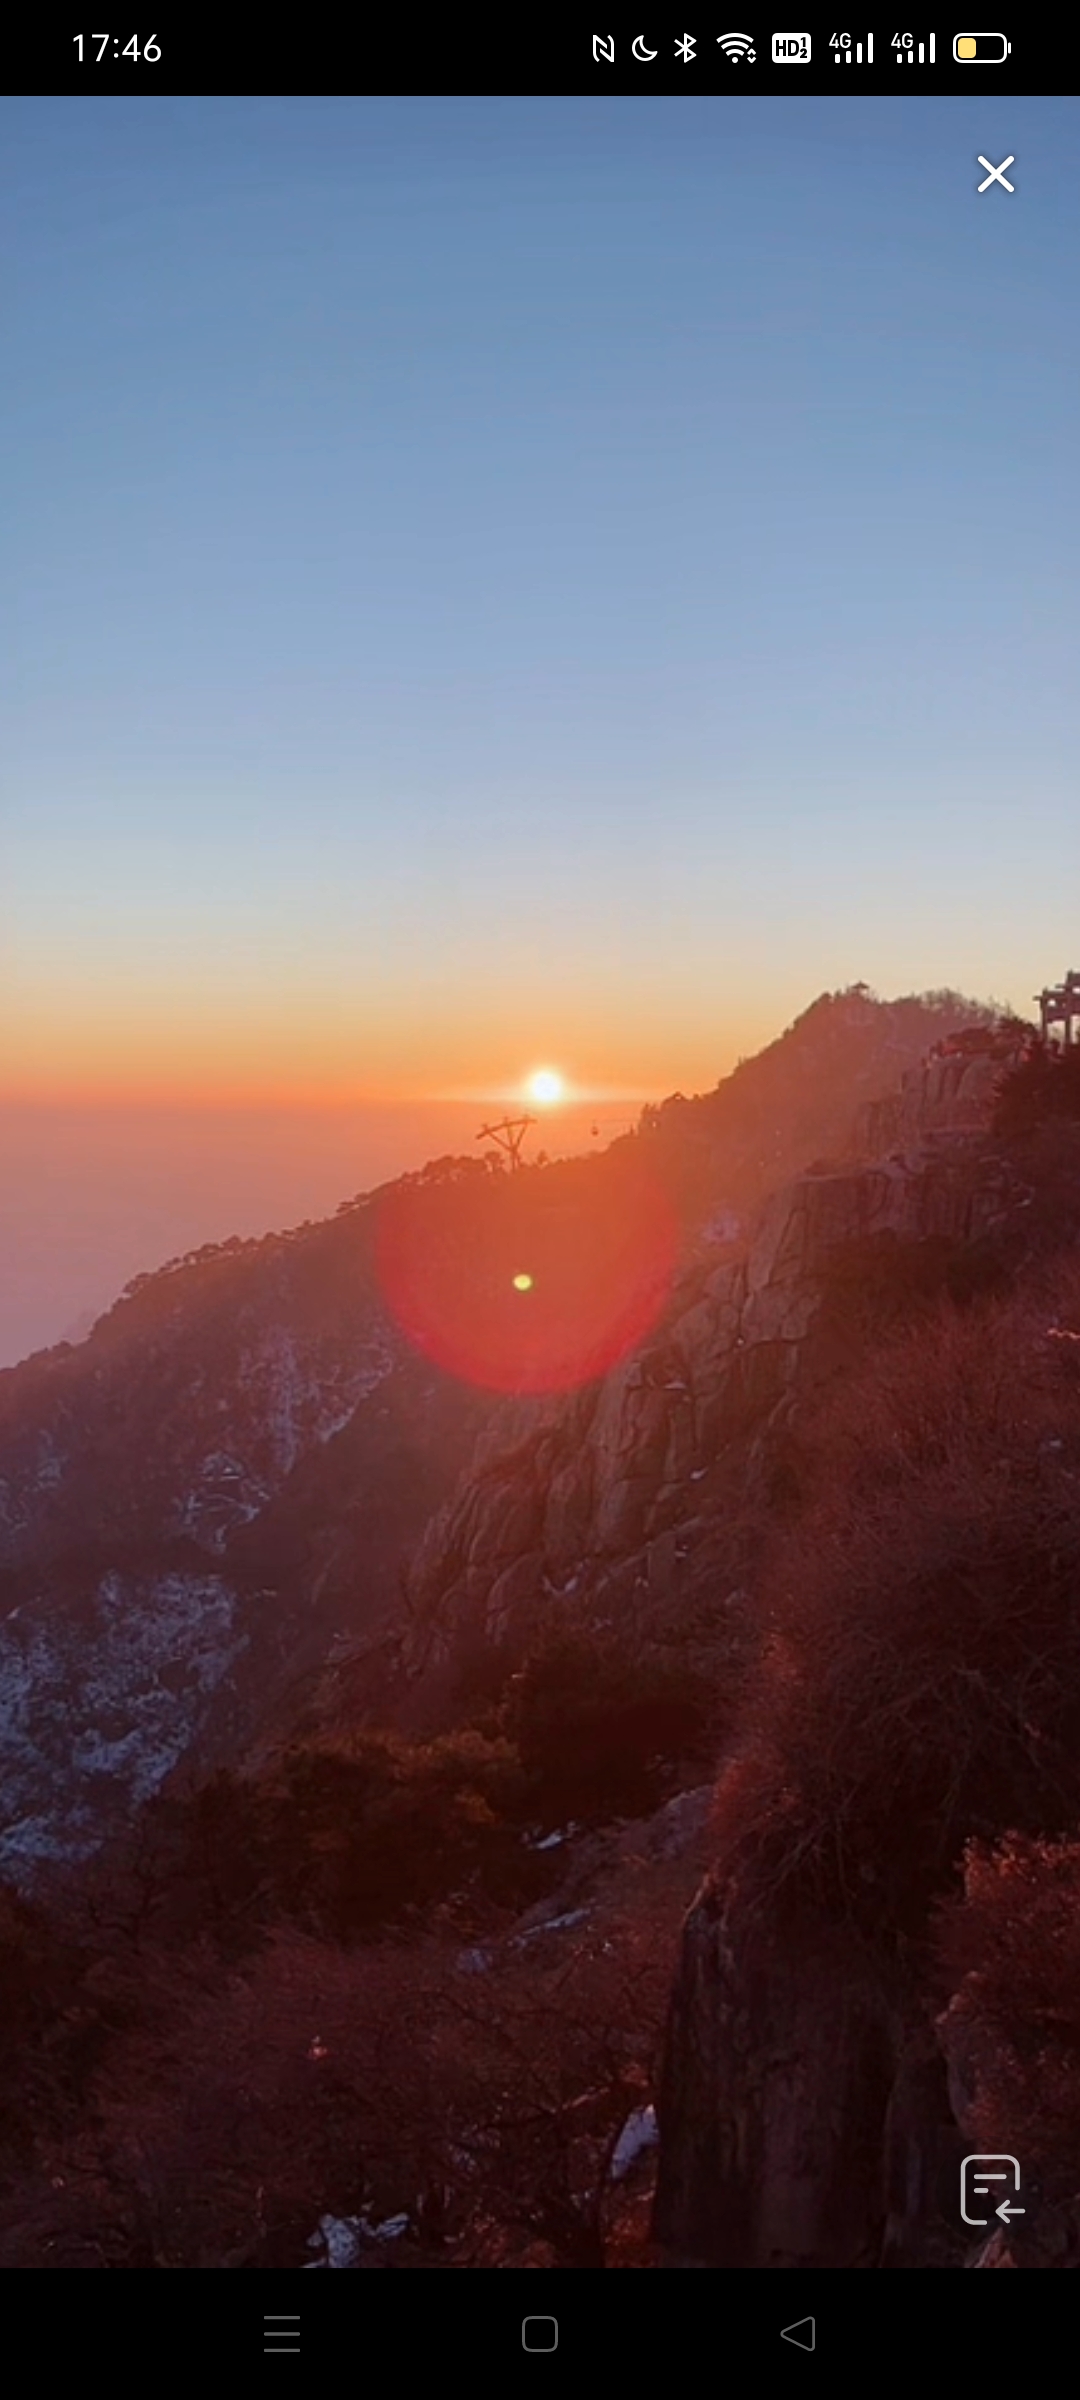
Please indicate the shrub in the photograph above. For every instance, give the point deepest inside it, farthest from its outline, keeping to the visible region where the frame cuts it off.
(323, 2079)
(920, 1682)
(1045, 1085)
(1011, 1945)
(358, 1833)
(39, 1980)
(597, 1732)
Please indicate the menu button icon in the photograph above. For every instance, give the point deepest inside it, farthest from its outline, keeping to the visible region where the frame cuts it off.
(281, 2336)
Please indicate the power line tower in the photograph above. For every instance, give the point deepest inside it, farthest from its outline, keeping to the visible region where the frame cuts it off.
(508, 1135)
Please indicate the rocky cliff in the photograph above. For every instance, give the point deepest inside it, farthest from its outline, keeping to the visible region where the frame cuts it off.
(610, 1496)
(941, 1098)
(812, 2111)
(772, 2076)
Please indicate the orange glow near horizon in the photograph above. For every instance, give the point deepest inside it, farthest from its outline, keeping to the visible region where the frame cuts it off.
(210, 1086)
(184, 1094)
(279, 1074)
(89, 1040)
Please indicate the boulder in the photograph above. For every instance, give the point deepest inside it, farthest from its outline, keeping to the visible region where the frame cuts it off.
(777, 2073)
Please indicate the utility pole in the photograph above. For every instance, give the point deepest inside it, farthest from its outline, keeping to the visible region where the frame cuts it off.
(508, 1135)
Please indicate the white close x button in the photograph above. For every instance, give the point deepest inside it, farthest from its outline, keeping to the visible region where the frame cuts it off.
(997, 174)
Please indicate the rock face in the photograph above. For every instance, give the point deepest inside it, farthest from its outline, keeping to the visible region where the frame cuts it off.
(804, 2110)
(612, 1483)
(774, 2072)
(940, 1098)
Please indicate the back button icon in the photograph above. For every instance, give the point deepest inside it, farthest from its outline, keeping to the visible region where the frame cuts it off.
(803, 2333)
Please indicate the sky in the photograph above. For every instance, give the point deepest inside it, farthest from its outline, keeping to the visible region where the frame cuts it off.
(500, 583)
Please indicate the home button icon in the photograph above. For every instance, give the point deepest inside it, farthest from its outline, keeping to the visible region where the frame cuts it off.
(539, 2333)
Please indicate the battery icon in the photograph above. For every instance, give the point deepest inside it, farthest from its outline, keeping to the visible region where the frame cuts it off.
(980, 49)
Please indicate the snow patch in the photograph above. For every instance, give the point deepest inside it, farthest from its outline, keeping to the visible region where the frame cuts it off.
(551, 1841)
(302, 1399)
(50, 1468)
(473, 1962)
(99, 1701)
(341, 2237)
(640, 2133)
(573, 1916)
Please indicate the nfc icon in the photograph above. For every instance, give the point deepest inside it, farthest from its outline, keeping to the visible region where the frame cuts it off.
(791, 49)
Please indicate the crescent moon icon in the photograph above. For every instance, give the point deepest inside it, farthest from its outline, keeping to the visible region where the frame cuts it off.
(639, 49)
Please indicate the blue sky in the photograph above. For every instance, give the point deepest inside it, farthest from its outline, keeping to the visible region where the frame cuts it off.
(616, 517)
(498, 580)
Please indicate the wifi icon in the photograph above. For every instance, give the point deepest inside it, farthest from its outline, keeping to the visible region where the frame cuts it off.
(736, 46)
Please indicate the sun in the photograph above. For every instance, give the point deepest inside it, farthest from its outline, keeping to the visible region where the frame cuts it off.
(545, 1086)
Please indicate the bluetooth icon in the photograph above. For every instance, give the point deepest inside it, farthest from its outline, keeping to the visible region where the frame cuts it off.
(685, 48)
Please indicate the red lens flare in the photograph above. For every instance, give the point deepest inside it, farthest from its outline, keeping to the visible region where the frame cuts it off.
(530, 1282)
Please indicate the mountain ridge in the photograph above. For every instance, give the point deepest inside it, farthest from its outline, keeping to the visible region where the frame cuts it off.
(253, 1425)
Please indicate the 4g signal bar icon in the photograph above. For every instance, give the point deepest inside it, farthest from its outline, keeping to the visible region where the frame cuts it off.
(794, 49)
